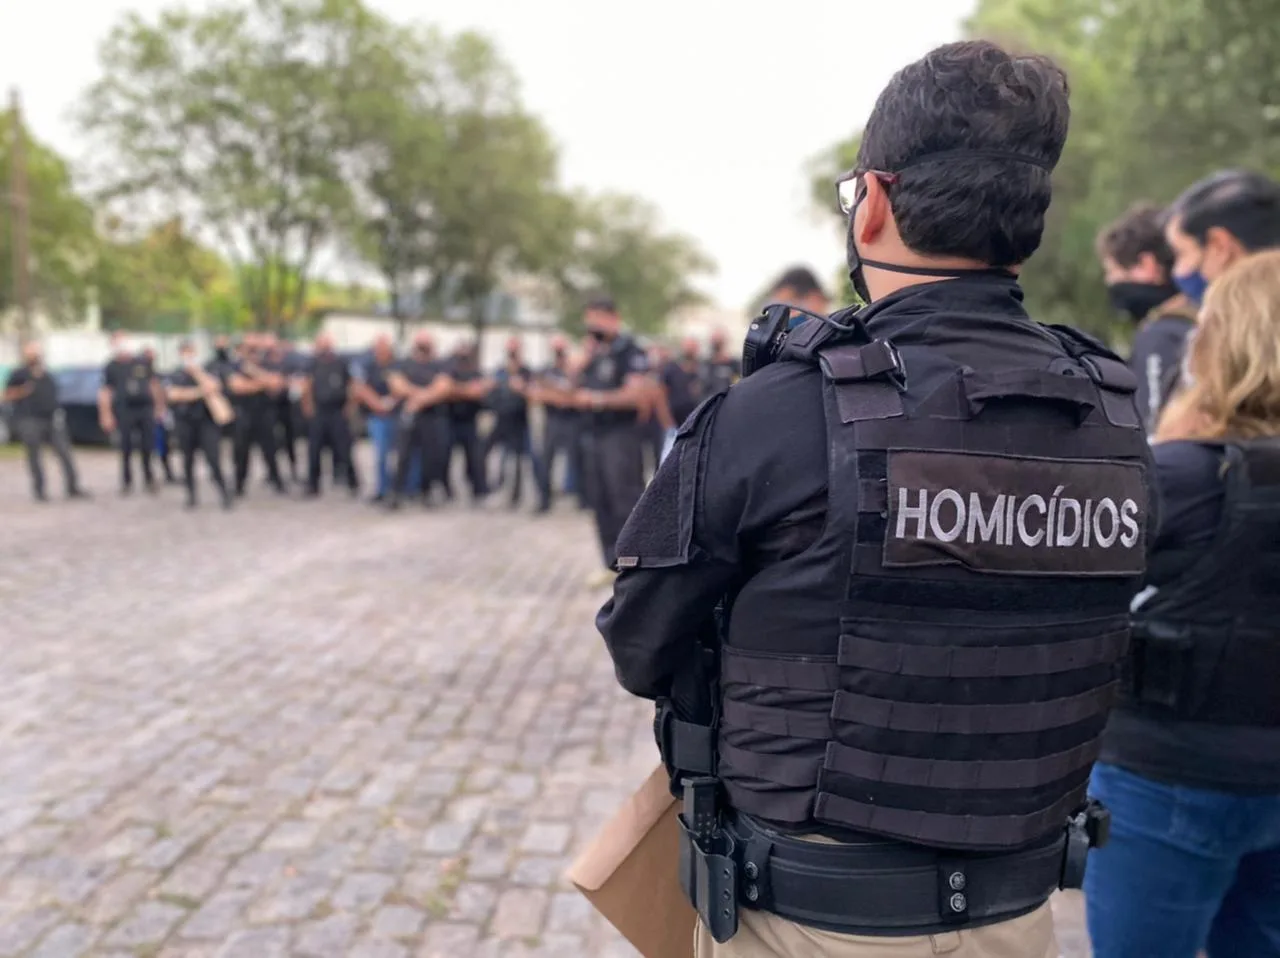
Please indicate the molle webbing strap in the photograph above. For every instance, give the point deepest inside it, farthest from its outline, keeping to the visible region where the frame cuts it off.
(935, 719)
(777, 672)
(983, 662)
(974, 774)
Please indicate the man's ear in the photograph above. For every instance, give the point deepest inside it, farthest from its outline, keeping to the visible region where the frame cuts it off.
(876, 211)
(1149, 269)
(1220, 240)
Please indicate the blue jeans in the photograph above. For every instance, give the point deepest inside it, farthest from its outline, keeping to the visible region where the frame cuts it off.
(1186, 869)
(382, 430)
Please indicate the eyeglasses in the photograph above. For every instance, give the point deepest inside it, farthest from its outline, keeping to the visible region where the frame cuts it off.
(852, 187)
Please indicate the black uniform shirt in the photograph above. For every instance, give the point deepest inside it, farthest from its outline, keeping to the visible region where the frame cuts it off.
(419, 372)
(192, 410)
(130, 381)
(556, 376)
(224, 368)
(721, 373)
(1158, 346)
(607, 370)
(685, 387)
(464, 410)
(511, 407)
(330, 379)
(764, 497)
(42, 401)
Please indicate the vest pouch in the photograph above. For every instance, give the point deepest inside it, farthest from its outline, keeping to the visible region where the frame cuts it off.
(1160, 661)
(1071, 392)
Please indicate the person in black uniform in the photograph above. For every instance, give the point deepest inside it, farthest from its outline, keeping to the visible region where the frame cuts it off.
(250, 386)
(614, 384)
(562, 424)
(721, 369)
(324, 400)
(464, 432)
(901, 558)
(509, 400)
(128, 401)
(1190, 765)
(683, 380)
(160, 431)
(1136, 260)
(190, 391)
(284, 366)
(373, 392)
(423, 388)
(40, 420)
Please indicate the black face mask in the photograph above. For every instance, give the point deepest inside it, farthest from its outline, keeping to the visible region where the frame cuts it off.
(1138, 299)
(221, 353)
(599, 335)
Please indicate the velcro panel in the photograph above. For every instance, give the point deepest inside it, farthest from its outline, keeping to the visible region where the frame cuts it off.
(809, 674)
(791, 723)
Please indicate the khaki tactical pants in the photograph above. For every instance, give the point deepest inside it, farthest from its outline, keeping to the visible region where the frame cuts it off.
(762, 935)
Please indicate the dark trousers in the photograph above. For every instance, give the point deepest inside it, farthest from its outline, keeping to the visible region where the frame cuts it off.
(330, 430)
(464, 435)
(426, 434)
(287, 432)
(514, 443)
(562, 440)
(200, 434)
(36, 432)
(254, 426)
(137, 434)
(162, 449)
(614, 472)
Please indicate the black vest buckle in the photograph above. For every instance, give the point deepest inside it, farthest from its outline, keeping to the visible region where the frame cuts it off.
(1088, 828)
(1160, 659)
(708, 869)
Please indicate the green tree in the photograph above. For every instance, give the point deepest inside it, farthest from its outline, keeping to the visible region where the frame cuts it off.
(61, 238)
(620, 247)
(235, 115)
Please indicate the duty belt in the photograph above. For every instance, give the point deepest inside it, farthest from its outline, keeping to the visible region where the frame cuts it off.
(883, 888)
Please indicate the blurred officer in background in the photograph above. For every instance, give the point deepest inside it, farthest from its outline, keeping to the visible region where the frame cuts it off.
(191, 391)
(509, 400)
(722, 368)
(128, 401)
(373, 393)
(423, 388)
(1136, 260)
(464, 413)
(39, 420)
(798, 286)
(614, 384)
(561, 438)
(160, 432)
(324, 400)
(881, 586)
(248, 385)
(1218, 221)
(683, 380)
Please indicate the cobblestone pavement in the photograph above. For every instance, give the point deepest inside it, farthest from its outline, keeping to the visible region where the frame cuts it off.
(302, 729)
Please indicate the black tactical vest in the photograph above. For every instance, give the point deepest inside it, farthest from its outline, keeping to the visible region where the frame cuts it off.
(1207, 645)
(987, 513)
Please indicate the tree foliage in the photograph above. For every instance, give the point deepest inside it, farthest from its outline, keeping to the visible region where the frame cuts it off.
(1162, 91)
(282, 130)
(61, 238)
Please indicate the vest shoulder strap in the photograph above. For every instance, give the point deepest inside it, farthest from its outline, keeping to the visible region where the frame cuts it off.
(867, 379)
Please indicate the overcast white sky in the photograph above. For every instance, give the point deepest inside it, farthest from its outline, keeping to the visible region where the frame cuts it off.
(710, 108)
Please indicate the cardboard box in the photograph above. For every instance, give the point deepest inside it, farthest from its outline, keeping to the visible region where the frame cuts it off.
(630, 873)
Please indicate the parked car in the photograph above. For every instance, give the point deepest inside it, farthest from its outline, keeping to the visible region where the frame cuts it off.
(78, 393)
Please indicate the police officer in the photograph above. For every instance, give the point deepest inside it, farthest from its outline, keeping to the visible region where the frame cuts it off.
(127, 401)
(721, 369)
(284, 366)
(423, 387)
(249, 386)
(40, 420)
(798, 286)
(160, 431)
(562, 422)
(902, 557)
(1136, 260)
(464, 411)
(190, 392)
(372, 391)
(324, 401)
(509, 400)
(614, 384)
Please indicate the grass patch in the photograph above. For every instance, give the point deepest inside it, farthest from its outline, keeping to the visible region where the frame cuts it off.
(182, 901)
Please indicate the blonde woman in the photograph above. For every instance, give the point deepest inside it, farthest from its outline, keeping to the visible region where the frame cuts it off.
(1190, 767)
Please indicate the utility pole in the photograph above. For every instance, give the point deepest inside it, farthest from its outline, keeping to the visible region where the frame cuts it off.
(20, 208)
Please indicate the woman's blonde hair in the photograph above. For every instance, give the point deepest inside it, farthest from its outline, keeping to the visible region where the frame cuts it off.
(1233, 358)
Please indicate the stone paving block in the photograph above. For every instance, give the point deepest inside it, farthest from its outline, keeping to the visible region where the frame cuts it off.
(361, 734)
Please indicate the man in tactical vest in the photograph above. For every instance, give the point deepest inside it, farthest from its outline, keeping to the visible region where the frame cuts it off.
(128, 400)
(901, 559)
